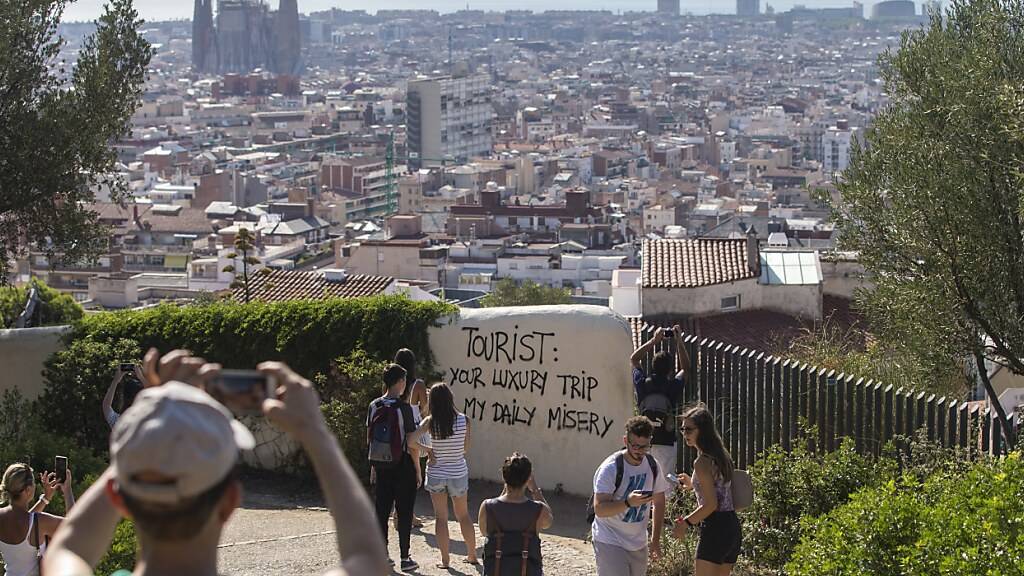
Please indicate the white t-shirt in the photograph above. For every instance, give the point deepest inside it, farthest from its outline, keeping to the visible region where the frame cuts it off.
(629, 529)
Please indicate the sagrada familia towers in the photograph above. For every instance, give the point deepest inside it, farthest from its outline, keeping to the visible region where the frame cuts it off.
(246, 35)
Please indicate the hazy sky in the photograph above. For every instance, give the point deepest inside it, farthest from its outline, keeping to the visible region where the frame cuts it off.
(165, 10)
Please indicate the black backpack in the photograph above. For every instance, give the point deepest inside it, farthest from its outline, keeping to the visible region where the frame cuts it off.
(512, 552)
(658, 407)
(619, 469)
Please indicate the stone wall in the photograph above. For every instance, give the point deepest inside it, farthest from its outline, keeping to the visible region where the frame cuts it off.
(22, 355)
(552, 382)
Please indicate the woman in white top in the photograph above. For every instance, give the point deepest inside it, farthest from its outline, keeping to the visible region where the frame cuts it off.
(447, 472)
(24, 527)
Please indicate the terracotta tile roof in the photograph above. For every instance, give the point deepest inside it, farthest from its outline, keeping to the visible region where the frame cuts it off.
(694, 262)
(281, 285)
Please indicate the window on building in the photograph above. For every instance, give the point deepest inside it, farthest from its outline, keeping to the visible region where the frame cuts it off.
(731, 303)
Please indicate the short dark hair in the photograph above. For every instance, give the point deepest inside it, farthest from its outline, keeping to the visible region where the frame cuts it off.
(661, 364)
(180, 521)
(392, 374)
(516, 470)
(640, 426)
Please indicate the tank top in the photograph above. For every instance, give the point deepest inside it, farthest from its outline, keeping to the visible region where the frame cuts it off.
(450, 453)
(513, 516)
(723, 492)
(20, 559)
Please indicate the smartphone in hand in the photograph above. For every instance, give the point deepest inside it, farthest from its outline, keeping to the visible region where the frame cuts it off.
(243, 391)
(60, 468)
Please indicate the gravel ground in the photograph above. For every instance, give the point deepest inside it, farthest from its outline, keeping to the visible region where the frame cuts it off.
(282, 528)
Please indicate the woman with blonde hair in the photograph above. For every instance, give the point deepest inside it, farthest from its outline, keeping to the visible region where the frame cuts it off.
(24, 527)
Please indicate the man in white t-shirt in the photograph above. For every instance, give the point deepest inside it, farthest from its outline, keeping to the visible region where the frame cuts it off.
(621, 513)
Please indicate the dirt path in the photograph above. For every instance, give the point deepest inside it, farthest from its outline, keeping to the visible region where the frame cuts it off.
(278, 532)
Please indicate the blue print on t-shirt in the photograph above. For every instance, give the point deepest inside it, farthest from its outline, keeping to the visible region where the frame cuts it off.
(636, 513)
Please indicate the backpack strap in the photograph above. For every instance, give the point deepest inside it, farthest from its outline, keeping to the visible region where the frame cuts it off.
(654, 469)
(492, 524)
(619, 469)
(528, 536)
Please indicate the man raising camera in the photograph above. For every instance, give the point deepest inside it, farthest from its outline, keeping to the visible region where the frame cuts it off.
(659, 395)
(174, 460)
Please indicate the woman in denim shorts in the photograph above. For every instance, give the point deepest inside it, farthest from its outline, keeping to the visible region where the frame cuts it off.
(447, 472)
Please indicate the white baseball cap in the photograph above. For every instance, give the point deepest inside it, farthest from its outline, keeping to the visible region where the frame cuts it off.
(181, 433)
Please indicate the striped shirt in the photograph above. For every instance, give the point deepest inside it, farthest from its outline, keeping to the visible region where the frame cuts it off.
(450, 453)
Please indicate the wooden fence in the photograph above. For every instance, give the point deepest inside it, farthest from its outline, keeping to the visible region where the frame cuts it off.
(760, 400)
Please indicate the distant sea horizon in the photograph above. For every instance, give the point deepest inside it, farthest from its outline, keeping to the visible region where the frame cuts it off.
(156, 10)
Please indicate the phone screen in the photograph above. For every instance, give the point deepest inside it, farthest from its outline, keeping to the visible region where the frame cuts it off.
(647, 493)
(60, 468)
(243, 391)
(128, 367)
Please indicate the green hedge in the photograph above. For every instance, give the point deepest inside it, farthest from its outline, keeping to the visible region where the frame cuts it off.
(54, 307)
(308, 335)
(951, 523)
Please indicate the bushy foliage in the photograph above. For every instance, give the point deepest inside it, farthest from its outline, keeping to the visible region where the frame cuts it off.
(54, 308)
(965, 523)
(347, 390)
(307, 335)
(797, 485)
(28, 437)
(77, 378)
(529, 293)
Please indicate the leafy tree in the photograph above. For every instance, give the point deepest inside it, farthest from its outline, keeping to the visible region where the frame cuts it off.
(529, 293)
(55, 307)
(933, 202)
(244, 246)
(57, 124)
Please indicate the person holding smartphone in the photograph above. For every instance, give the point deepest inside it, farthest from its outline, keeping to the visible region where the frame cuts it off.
(24, 526)
(720, 531)
(131, 376)
(659, 394)
(626, 487)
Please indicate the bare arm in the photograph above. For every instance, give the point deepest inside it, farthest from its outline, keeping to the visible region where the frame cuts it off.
(659, 516)
(414, 436)
(546, 517)
(639, 353)
(682, 356)
(481, 519)
(84, 536)
(108, 398)
(605, 505)
(298, 413)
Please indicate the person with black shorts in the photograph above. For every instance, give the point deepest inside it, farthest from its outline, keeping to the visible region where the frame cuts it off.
(720, 532)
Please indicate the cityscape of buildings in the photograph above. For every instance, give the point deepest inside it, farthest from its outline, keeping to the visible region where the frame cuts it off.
(620, 156)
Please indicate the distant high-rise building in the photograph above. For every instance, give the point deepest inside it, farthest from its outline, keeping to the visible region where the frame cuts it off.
(204, 39)
(247, 35)
(448, 117)
(748, 8)
(894, 10)
(668, 7)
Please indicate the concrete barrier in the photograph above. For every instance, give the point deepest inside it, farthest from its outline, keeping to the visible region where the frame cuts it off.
(23, 352)
(552, 382)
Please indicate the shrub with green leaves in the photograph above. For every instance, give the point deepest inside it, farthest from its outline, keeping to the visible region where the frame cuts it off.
(54, 308)
(307, 335)
(951, 523)
(801, 484)
(347, 390)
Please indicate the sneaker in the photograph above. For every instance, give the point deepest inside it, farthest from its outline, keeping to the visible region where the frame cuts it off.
(409, 564)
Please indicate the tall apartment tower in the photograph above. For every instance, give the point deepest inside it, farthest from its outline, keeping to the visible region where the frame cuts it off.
(448, 117)
(668, 7)
(748, 8)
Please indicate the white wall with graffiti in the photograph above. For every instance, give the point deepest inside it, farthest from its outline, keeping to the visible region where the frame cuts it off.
(552, 382)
